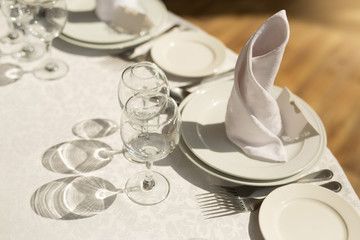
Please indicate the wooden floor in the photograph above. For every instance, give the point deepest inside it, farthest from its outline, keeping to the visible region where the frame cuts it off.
(321, 63)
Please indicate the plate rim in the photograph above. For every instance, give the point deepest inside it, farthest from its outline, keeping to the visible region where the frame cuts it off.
(116, 46)
(317, 155)
(239, 180)
(216, 45)
(284, 194)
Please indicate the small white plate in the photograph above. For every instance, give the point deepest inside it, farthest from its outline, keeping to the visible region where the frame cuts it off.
(84, 27)
(203, 131)
(188, 54)
(306, 211)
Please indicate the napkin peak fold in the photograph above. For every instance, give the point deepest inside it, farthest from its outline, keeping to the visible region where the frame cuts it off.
(253, 121)
(123, 15)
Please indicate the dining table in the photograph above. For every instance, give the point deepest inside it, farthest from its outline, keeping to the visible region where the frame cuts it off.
(38, 118)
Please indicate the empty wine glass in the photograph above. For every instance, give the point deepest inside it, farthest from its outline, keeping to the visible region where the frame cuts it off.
(45, 19)
(143, 77)
(11, 12)
(27, 51)
(150, 130)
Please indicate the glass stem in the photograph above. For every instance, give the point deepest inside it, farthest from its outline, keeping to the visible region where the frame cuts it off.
(13, 34)
(148, 182)
(48, 48)
(50, 66)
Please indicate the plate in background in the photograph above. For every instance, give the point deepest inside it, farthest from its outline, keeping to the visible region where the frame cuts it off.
(189, 54)
(85, 29)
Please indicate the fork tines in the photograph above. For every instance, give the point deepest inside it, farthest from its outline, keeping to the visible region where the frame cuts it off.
(224, 204)
(212, 206)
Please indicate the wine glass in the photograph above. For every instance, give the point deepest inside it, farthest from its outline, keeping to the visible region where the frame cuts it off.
(11, 12)
(143, 77)
(45, 19)
(28, 51)
(150, 130)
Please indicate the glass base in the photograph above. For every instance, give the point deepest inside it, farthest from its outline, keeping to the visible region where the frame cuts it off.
(51, 69)
(30, 52)
(137, 192)
(130, 157)
(14, 37)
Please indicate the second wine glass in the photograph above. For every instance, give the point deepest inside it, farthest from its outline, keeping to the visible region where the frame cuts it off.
(150, 130)
(141, 78)
(45, 20)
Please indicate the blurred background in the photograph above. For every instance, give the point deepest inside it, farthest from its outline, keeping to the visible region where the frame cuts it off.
(321, 63)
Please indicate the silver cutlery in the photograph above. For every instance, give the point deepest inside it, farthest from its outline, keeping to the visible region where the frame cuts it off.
(254, 191)
(180, 93)
(220, 205)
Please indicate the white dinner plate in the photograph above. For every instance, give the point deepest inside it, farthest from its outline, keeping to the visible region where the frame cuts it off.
(188, 54)
(238, 180)
(229, 178)
(85, 29)
(203, 131)
(306, 211)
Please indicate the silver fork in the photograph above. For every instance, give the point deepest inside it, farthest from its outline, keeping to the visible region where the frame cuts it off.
(246, 191)
(215, 205)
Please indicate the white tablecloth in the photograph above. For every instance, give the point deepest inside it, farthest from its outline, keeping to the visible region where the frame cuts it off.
(36, 115)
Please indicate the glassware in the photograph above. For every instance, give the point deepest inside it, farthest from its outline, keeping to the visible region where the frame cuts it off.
(143, 77)
(150, 130)
(11, 12)
(45, 19)
(27, 51)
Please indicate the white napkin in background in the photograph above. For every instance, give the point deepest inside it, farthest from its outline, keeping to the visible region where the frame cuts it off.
(124, 15)
(253, 121)
(105, 9)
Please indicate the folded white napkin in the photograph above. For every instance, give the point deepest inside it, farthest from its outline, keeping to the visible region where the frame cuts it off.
(124, 15)
(105, 9)
(253, 121)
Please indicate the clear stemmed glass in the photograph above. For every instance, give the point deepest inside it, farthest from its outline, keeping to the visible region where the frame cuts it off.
(150, 130)
(11, 12)
(45, 19)
(143, 77)
(28, 51)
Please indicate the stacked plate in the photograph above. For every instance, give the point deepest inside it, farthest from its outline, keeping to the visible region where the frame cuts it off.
(205, 143)
(86, 30)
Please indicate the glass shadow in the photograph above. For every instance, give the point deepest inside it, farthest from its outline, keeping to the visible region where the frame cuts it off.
(73, 198)
(95, 128)
(78, 156)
